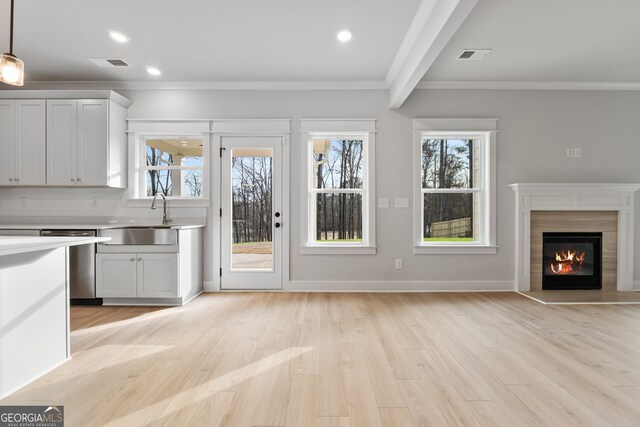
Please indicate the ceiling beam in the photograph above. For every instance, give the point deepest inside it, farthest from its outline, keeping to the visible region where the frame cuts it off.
(435, 23)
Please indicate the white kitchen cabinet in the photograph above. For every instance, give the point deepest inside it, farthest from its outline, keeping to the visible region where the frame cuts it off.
(86, 143)
(157, 275)
(22, 142)
(62, 141)
(149, 274)
(116, 275)
(129, 275)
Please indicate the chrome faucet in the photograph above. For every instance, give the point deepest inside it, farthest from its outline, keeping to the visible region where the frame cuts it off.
(165, 219)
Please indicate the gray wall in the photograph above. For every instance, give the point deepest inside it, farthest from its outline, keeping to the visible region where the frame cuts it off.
(535, 128)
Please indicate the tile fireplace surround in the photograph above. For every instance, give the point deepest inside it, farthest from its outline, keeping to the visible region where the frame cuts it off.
(589, 203)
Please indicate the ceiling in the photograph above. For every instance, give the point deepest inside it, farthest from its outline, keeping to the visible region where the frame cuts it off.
(546, 41)
(209, 40)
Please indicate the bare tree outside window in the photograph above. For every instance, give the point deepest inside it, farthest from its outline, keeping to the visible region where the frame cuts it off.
(252, 206)
(174, 167)
(338, 177)
(448, 189)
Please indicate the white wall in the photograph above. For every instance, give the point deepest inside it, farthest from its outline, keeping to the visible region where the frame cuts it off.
(535, 128)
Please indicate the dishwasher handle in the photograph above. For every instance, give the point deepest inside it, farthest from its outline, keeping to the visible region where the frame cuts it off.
(67, 233)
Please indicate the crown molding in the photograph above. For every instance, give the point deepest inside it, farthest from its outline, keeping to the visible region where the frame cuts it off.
(504, 85)
(210, 85)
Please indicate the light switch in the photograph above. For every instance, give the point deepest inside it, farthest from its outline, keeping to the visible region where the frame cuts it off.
(383, 202)
(569, 152)
(577, 152)
(402, 202)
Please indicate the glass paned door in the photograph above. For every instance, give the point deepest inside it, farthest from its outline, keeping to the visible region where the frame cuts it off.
(252, 220)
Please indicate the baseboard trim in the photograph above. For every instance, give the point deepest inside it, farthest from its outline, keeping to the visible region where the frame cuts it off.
(399, 286)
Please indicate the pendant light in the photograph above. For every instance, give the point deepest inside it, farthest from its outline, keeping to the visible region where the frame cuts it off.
(11, 67)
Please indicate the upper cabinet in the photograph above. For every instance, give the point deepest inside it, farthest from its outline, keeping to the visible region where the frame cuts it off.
(22, 142)
(86, 143)
(63, 141)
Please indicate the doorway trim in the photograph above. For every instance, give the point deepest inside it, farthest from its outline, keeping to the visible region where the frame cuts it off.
(248, 128)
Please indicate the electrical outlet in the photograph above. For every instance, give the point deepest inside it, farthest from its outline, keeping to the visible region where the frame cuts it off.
(569, 153)
(383, 202)
(577, 152)
(399, 264)
(402, 202)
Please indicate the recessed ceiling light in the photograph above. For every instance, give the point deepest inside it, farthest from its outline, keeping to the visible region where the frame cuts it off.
(118, 36)
(153, 71)
(344, 35)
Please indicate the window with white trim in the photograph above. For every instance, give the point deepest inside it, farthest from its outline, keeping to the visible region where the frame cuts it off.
(339, 215)
(454, 181)
(170, 157)
(173, 166)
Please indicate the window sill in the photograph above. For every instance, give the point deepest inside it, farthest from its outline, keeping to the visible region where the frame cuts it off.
(338, 250)
(175, 203)
(455, 249)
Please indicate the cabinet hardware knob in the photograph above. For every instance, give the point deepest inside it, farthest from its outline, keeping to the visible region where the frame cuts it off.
(17, 179)
(10, 179)
(139, 259)
(277, 225)
(73, 180)
(132, 259)
(78, 180)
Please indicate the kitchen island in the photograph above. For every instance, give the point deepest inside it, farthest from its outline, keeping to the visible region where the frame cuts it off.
(34, 307)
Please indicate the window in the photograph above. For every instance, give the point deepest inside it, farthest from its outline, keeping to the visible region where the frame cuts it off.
(339, 217)
(454, 187)
(169, 157)
(173, 166)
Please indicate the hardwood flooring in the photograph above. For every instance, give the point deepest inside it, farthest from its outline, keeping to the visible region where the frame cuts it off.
(344, 360)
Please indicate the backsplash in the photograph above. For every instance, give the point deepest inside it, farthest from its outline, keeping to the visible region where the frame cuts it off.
(74, 202)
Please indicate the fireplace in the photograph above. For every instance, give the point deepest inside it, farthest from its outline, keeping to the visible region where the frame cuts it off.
(571, 261)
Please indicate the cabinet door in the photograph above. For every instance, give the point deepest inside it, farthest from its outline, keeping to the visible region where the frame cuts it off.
(158, 275)
(93, 142)
(62, 131)
(116, 275)
(30, 142)
(7, 142)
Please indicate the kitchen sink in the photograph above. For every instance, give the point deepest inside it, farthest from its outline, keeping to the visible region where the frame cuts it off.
(139, 235)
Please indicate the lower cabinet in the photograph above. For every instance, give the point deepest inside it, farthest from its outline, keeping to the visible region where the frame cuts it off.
(137, 275)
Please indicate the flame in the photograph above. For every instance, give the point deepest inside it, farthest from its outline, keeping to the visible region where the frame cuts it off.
(567, 262)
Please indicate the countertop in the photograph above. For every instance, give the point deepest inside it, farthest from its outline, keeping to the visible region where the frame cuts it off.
(11, 245)
(45, 226)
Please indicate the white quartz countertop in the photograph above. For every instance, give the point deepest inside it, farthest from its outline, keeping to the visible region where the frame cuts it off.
(45, 226)
(11, 245)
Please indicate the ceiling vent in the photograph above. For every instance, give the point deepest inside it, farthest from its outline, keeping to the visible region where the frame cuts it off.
(474, 54)
(109, 62)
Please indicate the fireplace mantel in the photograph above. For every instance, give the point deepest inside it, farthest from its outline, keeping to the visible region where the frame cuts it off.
(574, 197)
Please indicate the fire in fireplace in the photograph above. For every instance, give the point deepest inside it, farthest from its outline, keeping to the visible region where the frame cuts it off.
(572, 261)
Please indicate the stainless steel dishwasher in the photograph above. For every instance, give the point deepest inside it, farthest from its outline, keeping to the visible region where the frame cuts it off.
(82, 267)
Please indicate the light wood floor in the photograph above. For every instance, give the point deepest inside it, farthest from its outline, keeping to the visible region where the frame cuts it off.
(304, 359)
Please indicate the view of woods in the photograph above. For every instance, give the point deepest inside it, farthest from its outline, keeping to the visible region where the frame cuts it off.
(337, 166)
(174, 167)
(447, 164)
(252, 200)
